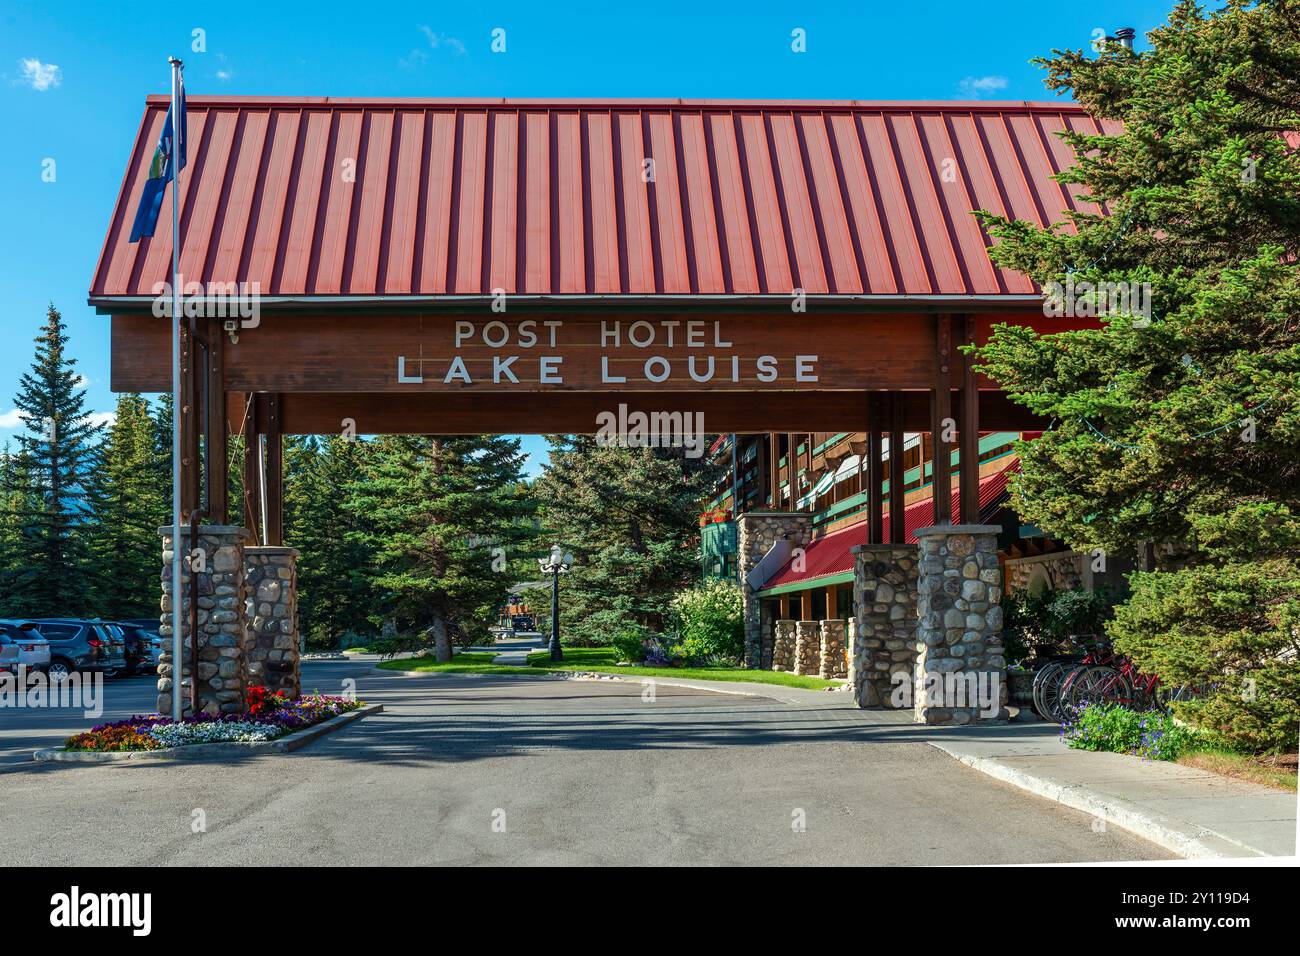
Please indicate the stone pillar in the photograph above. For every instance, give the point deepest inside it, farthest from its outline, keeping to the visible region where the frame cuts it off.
(884, 639)
(271, 638)
(220, 621)
(831, 652)
(960, 668)
(767, 623)
(807, 647)
(783, 646)
(756, 533)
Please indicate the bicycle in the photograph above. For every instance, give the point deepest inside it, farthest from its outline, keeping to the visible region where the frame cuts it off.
(1050, 677)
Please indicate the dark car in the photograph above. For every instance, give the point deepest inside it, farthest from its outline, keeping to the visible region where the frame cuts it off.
(522, 622)
(142, 646)
(77, 645)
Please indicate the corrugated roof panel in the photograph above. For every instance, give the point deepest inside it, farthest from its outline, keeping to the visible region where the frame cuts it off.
(311, 196)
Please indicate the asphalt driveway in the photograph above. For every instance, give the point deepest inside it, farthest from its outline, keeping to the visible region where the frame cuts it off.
(496, 770)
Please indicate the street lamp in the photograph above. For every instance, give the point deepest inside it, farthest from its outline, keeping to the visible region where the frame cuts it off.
(557, 564)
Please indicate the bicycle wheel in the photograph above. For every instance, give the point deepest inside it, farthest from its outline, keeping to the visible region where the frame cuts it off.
(1099, 684)
(1047, 692)
(1060, 707)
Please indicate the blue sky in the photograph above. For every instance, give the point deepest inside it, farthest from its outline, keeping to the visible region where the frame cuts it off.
(73, 78)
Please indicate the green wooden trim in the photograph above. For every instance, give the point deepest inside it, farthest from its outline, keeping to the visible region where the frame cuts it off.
(809, 585)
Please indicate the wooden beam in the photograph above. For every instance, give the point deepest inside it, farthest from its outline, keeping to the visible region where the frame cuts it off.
(252, 468)
(897, 496)
(941, 420)
(274, 473)
(791, 473)
(216, 462)
(189, 423)
(875, 490)
(969, 464)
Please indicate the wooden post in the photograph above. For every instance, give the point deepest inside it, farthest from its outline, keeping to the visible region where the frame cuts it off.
(216, 463)
(897, 519)
(969, 465)
(252, 469)
(791, 475)
(805, 605)
(774, 470)
(189, 424)
(832, 590)
(274, 473)
(941, 419)
(875, 490)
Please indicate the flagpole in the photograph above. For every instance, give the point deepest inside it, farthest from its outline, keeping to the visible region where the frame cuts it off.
(177, 148)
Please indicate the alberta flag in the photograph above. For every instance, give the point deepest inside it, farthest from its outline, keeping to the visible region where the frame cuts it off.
(161, 170)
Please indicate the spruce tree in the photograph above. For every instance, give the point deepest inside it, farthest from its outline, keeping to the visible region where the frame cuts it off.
(630, 516)
(1178, 428)
(52, 575)
(128, 507)
(335, 595)
(442, 516)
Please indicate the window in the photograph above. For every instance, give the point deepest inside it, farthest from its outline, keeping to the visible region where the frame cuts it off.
(59, 632)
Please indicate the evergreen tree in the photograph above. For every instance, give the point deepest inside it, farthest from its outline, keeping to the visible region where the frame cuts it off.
(1179, 427)
(128, 507)
(52, 562)
(335, 596)
(16, 504)
(161, 456)
(442, 515)
(631, 518)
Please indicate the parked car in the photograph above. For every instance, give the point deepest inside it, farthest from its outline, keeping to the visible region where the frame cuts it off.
(33, 650)
(143, 647)
(521, 622)
(77, 645)
(8, 653)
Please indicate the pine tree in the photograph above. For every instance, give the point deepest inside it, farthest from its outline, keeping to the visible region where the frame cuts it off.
(630, 516)
(16, 503)
(1179, 427)
(335, 595)
(436, 511)
(53, 575)
(128, 507)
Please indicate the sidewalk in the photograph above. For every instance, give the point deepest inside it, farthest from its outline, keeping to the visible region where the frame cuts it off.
(1193, 813)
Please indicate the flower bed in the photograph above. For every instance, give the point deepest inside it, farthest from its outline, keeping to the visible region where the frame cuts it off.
(269, 716)
(1148, 734)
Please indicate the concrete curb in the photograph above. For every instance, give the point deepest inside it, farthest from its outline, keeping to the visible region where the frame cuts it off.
(214, 751)
(1188, 841)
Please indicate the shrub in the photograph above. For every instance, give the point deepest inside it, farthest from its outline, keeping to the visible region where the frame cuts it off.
(1043, 622)
(1114, 729)
(710, 620)
(1229, 631)
(628, 642)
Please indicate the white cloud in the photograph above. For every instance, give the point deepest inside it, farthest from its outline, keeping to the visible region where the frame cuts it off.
(40, 76)
(102, 418)
(977, 86)
(11, 419)
(440, 40)
(81, 382)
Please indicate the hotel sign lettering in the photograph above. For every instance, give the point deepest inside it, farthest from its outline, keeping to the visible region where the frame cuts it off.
(607, 354)
(669, 352)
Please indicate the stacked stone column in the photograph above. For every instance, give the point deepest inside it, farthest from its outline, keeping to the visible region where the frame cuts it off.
(831, 651)
(960, 667)
(756, 533)
(807, 647)
(271, 640)
(219, 566)
(783, 646)
(884, 636)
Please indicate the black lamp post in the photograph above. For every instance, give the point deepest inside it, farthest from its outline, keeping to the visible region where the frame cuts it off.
(557, 564)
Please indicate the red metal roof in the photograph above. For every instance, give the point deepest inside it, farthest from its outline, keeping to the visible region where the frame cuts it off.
(360, 197)
(831, 555)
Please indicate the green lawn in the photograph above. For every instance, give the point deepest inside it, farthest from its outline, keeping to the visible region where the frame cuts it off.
(470, 662)
(601, 660)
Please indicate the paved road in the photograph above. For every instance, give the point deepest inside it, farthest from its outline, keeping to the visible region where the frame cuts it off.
(482, 770)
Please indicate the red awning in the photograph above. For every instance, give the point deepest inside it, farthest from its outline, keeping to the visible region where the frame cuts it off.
(831, 554)
(312, 197)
